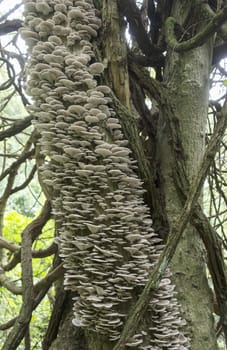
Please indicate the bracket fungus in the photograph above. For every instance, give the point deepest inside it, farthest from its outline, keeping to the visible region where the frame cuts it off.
(106, 238)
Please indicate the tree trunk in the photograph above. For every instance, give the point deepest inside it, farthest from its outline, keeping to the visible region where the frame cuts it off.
(186, 77)
(68, 336)
(187, 80)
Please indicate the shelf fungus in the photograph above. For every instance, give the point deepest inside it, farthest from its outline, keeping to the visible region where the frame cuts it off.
(106, 238)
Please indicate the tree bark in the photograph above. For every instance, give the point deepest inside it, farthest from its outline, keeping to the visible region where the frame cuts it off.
(187, 79)
(68, 337)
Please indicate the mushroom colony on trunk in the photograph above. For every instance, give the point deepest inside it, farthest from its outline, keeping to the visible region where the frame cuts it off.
(106, 238)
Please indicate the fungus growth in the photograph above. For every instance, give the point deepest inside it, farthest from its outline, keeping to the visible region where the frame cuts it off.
(106, 238)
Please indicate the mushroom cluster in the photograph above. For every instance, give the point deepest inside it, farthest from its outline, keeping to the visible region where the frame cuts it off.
(106, 236)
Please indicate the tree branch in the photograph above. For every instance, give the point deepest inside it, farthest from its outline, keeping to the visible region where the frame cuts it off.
(145, 61)
(43, 253)
(8, 324)
(153, 87)
(55, 319)
(9, 285)
(40, 292)
(35, 228)
(20, 327)
(17, 163)
(29, 291)
(12, 247)
(11, 74)
(6, 15)
(200, 38)
(219, 53)
(16, 128)
(130, 10)
(26, 182)
(49, 279)
(10, 26)
(175, 235)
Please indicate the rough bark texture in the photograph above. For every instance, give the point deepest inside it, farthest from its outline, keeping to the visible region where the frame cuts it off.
(186, 77)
